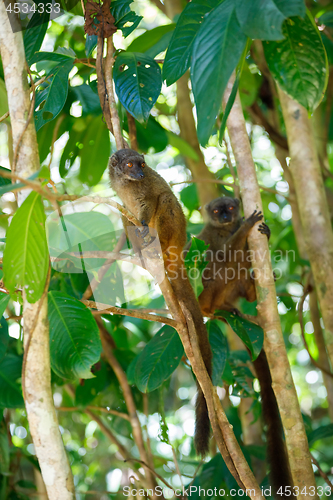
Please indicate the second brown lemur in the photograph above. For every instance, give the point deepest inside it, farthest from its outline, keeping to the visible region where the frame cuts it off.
(150, 199)
(226, 278)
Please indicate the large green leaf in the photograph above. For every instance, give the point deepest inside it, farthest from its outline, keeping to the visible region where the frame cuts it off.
(125, 19)
(178, 56)
(251, 334)
(34, 33)
(216, 52)
(158, 360)
(4, 337)
(51, 98)
(74, 337)
(299, 62)
(3, 99)
(322, 432)
(26, 256)
(154, 41)
(10, 389)
(219, 345)
(95, 152)
(262, 19)
(138, 83)
(4, 450)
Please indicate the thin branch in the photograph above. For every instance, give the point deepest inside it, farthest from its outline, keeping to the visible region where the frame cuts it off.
(103, 270)
(134, 313)
(231, 168)
(4, 116)
(230, 184)
(110, 94)
(101, 87)
(95, 408)
(153, 471)
(54, 137)
(322, 473)
(307, 290)
(128, 396)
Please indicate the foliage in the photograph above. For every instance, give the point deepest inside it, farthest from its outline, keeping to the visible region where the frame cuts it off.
(212, 39)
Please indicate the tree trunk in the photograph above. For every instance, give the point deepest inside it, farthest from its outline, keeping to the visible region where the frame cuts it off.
(283, 386)
(41, 414)
(315, 218)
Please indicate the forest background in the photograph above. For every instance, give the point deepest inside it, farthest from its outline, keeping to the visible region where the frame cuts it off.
(122, 388)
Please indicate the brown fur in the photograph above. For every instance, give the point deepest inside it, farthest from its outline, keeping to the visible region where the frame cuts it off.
(150, 199)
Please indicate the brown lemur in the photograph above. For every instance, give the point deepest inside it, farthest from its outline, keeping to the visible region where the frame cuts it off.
(226, 278)
(150, 199)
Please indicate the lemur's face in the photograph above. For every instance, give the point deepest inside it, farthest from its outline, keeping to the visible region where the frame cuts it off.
(129, 164)
(223, 210)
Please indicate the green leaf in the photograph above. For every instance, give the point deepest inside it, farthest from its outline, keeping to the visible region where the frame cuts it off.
(3, 100)
(88, 100)
(63, 56)
(251, 334)
(26, 256)
(183, 147)
(189, 196)
(158, 360)
(299, 62)
(216, 52)
(35, 33)
(151, 135)
(4, 299)
(54, 94)
(4, 337)
(121, 11)
(178, 56)
(138, 83)
(10, 389)
(95, 152)
(322, 432)
(4, 448)
(263, 19)
(74, 337)
(195, 264)
(3, 180)
(91, 42)
(153, 41)
(87, 392)
(219, 345)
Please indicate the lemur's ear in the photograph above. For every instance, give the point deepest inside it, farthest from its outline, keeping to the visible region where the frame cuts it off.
(114, 160)
(206, 207)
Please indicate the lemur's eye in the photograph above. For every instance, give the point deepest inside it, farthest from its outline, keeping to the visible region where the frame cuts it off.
(130, 164)
(231, 208)
(215, 211)
(143, 164)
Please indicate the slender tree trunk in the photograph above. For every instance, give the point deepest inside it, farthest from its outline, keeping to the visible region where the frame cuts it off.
(283, 386)
(42, 419)
(314, 213)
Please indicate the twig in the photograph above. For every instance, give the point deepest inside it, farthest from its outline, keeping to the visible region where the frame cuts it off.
(95, 408)
(54, 137)
(103, 270)
(231, 168)
(230, 184)
(322, 473)
(4, 116)
(89, 61)
(307, 290)
(134, 313)
(101, 87)
(128, 396)
(110, 94)
(153, 471)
